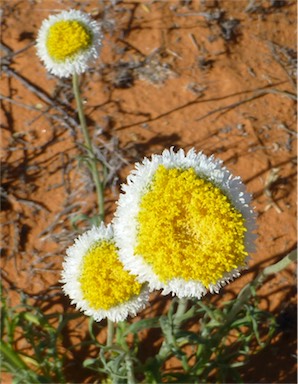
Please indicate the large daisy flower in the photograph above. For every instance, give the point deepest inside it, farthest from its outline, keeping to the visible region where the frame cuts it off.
(95, 280)
(184, 223)
(67, 42)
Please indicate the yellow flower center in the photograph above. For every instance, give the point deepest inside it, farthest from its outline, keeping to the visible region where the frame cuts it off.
(66, 39)
(188, 228)
(104, 282)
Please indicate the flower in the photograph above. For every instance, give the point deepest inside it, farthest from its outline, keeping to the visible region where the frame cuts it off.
(184, 224)
(67, 42)
(95, 280)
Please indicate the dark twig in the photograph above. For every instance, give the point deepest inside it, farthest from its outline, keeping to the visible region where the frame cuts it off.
(260, 93)
(42, 95)
(46, 113)
(5, 48)
(34, 204)
(19, 104)
(58, 218)
(10, 53)
(274, 48)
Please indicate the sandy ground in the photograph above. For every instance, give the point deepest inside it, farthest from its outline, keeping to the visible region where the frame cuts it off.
(218, 76)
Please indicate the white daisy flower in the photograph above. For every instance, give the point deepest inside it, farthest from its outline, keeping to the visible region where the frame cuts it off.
(67, 42)
(95, 280)
(184, 224)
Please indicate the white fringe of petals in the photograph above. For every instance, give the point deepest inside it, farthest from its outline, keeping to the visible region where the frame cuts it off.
(71, 274)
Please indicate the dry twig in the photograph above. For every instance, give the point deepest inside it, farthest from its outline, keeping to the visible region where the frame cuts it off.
(271, 179)
(256, 95)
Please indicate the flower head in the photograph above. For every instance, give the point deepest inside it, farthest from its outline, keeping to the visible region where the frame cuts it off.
(67, 42)
(95, 280)
(184, 223)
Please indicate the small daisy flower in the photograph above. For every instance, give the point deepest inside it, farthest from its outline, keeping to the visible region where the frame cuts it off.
(184, 224)
(95, 280)
(67, 42)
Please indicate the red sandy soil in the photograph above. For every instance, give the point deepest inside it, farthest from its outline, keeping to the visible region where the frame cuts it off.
(215, 75)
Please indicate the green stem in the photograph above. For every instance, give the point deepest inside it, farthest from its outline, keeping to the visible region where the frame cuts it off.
(99, 184)
(182, 305)
(130, 371)
(110, 335)
(12, 357)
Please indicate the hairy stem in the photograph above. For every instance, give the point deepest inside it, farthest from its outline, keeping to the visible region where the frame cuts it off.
(130, 371)
(110, 335)
(182, 306)
(99, 184)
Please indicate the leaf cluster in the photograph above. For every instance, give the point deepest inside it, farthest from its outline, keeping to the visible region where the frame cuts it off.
(213, 351)
(31, 342)
(207, 342)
